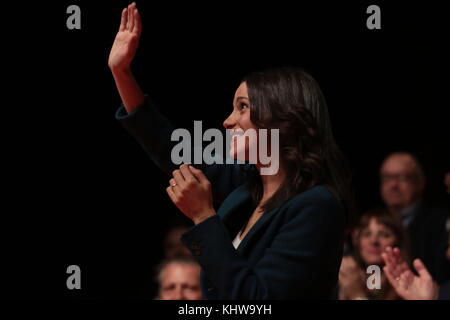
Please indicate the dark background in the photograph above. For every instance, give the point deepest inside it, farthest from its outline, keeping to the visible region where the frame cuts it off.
(79, 190)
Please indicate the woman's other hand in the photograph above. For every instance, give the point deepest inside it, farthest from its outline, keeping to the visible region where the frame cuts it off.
(190, 191)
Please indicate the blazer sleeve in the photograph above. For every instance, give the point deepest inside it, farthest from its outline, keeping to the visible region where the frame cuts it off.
(153, 132)
(305, 253)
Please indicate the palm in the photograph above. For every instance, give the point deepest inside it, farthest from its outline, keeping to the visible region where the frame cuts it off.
(412, 287)
(127, 39)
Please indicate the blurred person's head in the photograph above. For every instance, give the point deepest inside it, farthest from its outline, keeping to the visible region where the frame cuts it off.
(402, 181)
(179, 279)
(173, 247)
(376, 230)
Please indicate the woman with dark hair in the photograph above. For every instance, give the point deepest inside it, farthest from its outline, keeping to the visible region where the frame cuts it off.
(376, 231)
(276, 236)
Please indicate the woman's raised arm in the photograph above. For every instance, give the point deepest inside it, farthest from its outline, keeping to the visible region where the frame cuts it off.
(121, 56)
(142, 119)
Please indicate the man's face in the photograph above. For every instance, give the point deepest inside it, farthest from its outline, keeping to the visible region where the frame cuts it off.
(401, 181)
(180, 281)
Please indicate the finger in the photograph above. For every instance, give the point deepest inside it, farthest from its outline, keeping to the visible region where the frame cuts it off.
(401, 263)
(187, 174)
(385, 259)
(389, 258)
(403, 266)
(397, 255)
(179, 179)
(392, 280)
(397, 270)
(393, 266)
(132, 8)
(388, 250)
(421, 269)
(171, 194)
(174, 185)
(137, 22)
(198, 174)
(128, 17)
(123, 20)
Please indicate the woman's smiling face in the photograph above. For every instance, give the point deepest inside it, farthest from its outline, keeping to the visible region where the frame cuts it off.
(239, 122)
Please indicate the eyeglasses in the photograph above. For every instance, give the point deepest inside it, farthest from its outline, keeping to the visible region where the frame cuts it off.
(404, 178)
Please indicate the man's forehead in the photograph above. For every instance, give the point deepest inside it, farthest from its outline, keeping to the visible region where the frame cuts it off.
(399, 162)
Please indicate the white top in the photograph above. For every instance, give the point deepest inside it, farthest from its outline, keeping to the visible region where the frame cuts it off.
(237, 240)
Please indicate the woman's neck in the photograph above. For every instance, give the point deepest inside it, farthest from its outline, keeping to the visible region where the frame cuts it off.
(271, 183)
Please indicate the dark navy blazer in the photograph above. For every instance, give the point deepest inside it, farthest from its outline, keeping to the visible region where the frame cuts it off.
(293, 251)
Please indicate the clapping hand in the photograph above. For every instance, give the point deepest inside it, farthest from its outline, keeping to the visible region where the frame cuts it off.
(408, 285)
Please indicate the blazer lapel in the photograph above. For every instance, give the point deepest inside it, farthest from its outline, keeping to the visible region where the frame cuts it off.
(235, 212)
(264, 220)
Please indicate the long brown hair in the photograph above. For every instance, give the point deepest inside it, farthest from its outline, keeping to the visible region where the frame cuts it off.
(290, 100)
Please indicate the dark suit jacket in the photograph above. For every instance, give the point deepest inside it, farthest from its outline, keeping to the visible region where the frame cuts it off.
(293, 251)
(429, 240)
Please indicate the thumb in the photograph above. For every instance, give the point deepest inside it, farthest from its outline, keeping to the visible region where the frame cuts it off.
(421, 269)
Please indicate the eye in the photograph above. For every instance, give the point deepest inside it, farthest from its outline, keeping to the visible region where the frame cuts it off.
(365, 233)
(386, 234)
(242, 106)
(168, 287)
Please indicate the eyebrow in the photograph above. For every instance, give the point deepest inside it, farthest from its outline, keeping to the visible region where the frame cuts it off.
(240, 98)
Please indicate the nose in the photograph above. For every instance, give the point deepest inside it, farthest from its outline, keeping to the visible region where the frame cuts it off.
(392, 184)
(374, 240)
(179, 294)
(229, 122)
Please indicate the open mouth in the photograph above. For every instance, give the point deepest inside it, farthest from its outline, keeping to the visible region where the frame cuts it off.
(237, 132)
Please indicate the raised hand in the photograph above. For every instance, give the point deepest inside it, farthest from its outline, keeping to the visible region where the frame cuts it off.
(127, 39)
(404, 281)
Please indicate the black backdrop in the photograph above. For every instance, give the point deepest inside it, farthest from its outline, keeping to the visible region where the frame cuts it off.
(80, 191)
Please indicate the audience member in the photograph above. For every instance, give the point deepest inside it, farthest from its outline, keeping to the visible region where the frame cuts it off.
(376, 230)
(178, 279)
(402, 187)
